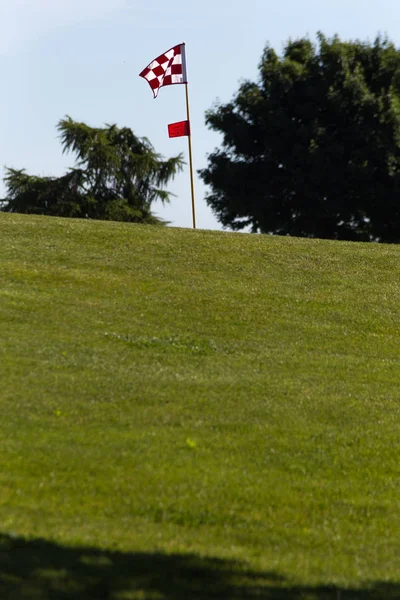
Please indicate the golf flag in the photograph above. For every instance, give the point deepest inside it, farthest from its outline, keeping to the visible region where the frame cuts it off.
(179, 129)
(167, 69)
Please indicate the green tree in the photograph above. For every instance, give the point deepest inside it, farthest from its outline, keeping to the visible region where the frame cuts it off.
(313, 148)
(117, 176)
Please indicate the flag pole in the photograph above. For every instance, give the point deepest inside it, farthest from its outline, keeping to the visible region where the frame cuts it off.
(185, 80)
(190, 156)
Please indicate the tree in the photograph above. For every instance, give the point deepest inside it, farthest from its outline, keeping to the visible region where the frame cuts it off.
(313, 148)
(117, 177)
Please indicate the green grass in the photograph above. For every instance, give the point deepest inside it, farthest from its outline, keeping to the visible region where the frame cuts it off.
(196, 414)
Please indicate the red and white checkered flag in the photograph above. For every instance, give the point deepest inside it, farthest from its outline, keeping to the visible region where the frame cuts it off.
(167, 69)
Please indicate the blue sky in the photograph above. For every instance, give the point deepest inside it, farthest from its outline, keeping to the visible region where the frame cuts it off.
(82, 58)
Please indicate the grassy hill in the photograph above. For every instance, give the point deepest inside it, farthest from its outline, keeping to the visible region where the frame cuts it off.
(196, 414)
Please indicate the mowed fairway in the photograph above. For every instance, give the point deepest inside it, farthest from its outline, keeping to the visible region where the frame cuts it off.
(196, 414)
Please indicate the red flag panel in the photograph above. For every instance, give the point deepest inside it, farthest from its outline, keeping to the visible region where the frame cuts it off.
(179, 129)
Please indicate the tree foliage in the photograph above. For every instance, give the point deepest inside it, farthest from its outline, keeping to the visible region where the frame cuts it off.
(313, 148)
(117, 176)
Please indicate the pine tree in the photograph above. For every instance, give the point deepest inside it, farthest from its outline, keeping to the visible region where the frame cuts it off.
(117, 176)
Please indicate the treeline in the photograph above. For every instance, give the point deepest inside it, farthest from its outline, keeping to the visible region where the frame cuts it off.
(311, 149)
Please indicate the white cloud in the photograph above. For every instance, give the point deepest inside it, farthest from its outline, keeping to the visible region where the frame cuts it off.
(23, 21)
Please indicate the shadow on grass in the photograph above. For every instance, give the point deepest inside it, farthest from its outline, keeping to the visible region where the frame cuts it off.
(37, 569)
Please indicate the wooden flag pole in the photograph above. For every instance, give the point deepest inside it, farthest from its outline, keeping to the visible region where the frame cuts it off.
(173, 70)
(190, 156)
